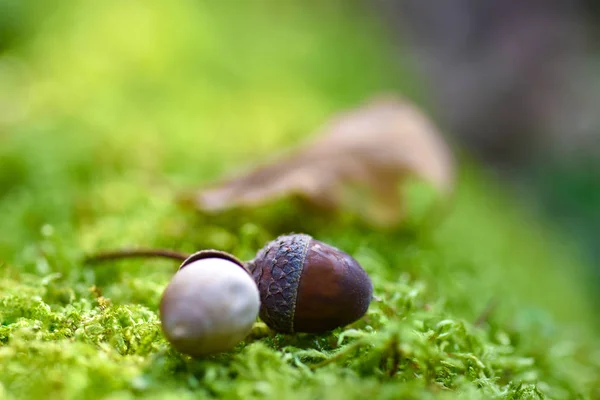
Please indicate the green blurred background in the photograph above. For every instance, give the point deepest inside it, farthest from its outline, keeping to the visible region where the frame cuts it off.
(126, 75)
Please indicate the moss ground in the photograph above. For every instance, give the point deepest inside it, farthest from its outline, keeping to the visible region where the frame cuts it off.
(109, 107)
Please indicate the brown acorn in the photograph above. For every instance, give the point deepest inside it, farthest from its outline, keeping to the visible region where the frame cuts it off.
(304, 286)
(308, 286)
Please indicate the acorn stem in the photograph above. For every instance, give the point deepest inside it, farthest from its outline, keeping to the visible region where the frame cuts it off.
(136, 253)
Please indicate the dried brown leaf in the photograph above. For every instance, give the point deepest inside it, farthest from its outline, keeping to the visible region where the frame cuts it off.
(375, 146)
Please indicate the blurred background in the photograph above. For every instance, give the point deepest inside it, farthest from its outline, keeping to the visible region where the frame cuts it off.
(514, 84)
(517, 83)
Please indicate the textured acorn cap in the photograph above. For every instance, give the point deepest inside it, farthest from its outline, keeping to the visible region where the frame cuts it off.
(210, 304)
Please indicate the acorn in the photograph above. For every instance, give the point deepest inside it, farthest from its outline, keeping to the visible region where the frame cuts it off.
(308, 286)
(210, 304)
(295, 284)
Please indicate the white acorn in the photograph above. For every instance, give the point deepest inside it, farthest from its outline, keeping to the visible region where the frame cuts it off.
(210, 304)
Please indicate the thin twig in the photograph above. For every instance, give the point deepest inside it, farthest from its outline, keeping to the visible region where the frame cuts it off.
(136, 253)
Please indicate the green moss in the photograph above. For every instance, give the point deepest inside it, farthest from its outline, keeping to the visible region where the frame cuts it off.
(123, 103)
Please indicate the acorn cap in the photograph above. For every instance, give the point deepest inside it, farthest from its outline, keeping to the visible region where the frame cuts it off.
(210, 253)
